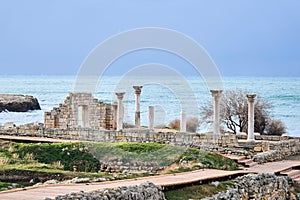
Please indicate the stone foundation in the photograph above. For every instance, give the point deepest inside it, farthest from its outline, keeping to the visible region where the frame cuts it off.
(264, 186)
(127, 135)
(143, 191)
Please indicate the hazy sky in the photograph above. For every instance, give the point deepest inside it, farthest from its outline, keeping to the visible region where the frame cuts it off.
(253, 38)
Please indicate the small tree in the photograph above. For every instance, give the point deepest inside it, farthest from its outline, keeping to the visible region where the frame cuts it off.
(192, 124)
(234, 112)
(276, 127)
(175, 124)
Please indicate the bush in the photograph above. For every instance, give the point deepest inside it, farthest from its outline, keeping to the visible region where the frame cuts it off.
(175, 124)
(276, 127)
(128, 125)
(192, 124)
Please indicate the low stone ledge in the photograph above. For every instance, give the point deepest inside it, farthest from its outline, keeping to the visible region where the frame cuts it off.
(262, 186)
(143, 191)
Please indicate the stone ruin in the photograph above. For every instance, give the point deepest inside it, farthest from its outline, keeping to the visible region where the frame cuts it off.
(81, 110)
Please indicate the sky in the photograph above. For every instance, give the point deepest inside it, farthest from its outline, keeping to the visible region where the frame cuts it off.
(244, 38)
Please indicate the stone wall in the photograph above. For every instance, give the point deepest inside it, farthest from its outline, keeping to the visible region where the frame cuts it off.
(132, 167)
(276, 151)
(263, 186)
(126, 135)
(80, 110)
(143, 191)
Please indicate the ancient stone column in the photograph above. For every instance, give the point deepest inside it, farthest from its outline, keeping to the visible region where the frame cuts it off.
(216, 94)
(182, 121)
(151, 118)
(137, 90)
(251, 99)
(115, 114)
(120, 111)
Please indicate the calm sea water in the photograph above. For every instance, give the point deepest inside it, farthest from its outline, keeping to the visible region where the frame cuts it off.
(282, 93)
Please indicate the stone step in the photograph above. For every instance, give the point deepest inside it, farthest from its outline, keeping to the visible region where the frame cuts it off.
(284, 172)
(252, 164)
(291, 172)
(235, 157)
(246, 161)
(295, 176)
(297, 179)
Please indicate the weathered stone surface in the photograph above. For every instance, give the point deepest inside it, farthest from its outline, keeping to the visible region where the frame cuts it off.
(277, 151)
(18, 103)
(143, 191)
(254, 186)
(80, 110)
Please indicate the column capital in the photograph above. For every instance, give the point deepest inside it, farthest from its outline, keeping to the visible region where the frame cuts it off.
(216, 93)
(137, 89)
(120, 95)
(251, 97)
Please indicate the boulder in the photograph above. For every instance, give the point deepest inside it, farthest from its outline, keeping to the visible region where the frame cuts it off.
(18, 103)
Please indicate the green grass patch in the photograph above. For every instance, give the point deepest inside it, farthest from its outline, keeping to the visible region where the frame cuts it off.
(162, 154)
(140, 147)
(68, 155)
(4, 186)
(210, 160)
(197, 191)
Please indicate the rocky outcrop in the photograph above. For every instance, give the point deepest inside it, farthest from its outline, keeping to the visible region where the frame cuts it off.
(143, 191)
(257, 186)
(18, 103)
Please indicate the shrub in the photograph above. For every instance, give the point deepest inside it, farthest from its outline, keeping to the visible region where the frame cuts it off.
(175, 124)
(128, 125)
(192, 124)
(276, 127)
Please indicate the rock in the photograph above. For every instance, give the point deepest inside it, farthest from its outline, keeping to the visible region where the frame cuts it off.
(81, 180)
(143, 191)
(241, 134)
(9, 125)
(18, 103)
(256, 186)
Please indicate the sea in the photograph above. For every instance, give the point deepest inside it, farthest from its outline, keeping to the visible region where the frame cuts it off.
(169, 96)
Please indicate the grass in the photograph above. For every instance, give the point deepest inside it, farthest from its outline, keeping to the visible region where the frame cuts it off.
(50, 160)
(161, 154)
(4, 186)
(208, 159)
(70, 155)
(197, 191)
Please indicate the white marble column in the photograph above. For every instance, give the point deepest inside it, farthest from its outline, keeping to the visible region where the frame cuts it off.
(182, 121)
(120, 111)
(151, 118)
(251, 99)
(216, 94)
(137, 90)
(115, 114)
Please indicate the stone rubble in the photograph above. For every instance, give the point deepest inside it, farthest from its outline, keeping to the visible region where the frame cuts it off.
(257, 186)
(144, 191)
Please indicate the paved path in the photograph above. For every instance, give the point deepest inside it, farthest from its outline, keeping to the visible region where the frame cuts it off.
(38, 193)
(274, 167)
